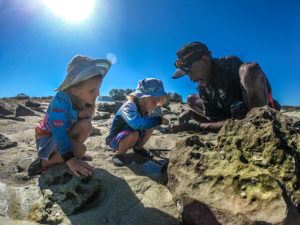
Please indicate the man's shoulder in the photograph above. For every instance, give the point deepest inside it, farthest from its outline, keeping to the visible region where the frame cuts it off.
(227, 65)
(227, 60)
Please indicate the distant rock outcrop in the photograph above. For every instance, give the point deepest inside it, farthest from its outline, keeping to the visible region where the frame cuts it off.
(110, 107)
(14, 109)
(249, 176)
(32, 104)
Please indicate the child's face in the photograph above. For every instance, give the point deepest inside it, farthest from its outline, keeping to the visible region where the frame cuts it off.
(150, 104)
(88, 91)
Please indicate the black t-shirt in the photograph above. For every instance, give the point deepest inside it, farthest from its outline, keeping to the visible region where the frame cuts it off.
(224, 89)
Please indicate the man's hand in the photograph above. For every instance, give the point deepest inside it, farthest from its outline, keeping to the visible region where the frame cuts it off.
(165, 121)
(79, 167)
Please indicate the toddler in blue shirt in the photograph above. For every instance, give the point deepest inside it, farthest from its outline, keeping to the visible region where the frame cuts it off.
(67, 122)
(133, 123)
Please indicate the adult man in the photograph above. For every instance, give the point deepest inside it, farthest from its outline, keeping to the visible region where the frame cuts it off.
(228, 88)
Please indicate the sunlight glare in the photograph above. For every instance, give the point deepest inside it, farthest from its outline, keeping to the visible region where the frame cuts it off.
(71, 10)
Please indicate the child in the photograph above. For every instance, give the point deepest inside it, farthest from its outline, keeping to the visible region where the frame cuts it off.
(67, 123)
(133, 125)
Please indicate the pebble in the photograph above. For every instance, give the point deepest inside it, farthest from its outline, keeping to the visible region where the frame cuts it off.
(243, 195)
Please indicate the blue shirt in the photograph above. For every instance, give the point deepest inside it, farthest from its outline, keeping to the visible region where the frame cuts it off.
(59, 119)
(129, 117)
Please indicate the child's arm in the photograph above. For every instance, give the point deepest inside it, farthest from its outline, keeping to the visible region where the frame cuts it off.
(59, 122)
(135, 121)
(87, 112)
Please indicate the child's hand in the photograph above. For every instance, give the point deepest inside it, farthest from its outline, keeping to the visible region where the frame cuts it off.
(79, 167)
(86, 112)
(165, 121)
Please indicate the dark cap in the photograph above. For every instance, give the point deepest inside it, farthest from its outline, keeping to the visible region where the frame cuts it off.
(188, 54)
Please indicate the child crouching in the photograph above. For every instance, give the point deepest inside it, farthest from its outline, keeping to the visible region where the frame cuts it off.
(67, 123)
(133, 124)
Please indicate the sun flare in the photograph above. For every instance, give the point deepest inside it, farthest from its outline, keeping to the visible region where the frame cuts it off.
(71, 10)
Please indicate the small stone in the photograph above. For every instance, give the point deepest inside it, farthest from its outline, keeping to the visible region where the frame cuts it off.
(243, 194)
(244, 187)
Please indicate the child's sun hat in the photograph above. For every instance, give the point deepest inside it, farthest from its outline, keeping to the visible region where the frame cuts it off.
(149, 87)
(82, 68)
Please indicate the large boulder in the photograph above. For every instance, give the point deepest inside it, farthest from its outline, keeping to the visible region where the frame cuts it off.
(249, 176)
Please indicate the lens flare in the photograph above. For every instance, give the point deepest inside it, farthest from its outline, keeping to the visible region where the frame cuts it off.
(71, 10)
(112, 58)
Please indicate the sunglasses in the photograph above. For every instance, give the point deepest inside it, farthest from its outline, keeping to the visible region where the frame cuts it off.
(187, 61)
(180, 65)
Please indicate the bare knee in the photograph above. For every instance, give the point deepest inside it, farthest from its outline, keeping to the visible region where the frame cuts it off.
(133, 137)
(192, 100)
(254, 84)
(82, 128)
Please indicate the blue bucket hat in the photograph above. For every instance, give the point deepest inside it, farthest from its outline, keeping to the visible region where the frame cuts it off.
(149, 87)
(82, 68)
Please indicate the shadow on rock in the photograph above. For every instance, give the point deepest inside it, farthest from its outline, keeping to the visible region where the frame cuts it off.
(100, 199)
(198, 213)
(155, 168)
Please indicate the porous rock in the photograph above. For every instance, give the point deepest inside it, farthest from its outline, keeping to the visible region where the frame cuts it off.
(251, 176)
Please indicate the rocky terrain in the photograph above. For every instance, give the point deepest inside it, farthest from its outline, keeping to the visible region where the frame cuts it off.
(245, 174)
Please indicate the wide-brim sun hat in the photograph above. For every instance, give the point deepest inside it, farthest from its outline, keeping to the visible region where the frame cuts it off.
(149, 87)
(188, 54)
(82, 68)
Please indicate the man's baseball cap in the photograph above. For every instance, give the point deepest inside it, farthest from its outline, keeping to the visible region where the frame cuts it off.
(188, 54)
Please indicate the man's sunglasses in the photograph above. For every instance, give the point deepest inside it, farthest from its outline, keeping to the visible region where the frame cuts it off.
(186, 62)
(180, 65)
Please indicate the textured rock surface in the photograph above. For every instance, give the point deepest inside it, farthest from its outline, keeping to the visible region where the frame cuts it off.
(250, 174)
(5, 143)
(17, 201)
(70, 192)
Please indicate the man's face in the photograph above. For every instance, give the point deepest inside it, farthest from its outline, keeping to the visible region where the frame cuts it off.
(200, 71)
(89, 91)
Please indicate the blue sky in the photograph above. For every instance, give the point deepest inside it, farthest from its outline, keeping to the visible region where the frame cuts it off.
(36, 45)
